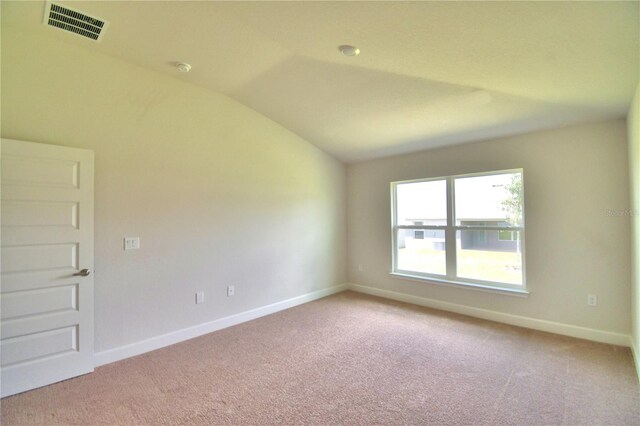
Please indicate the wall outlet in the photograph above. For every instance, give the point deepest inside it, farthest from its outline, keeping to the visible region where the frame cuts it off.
(131, 243)
(592, 300)
(199, 297)
(231, 291)
(360, 267)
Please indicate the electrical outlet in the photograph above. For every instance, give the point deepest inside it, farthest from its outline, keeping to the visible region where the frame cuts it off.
(200, 297)
(231, 291)
(592, 300)
(360, 267)
(131, 243)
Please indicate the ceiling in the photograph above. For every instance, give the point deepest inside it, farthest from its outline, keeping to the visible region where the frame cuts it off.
(430, 73)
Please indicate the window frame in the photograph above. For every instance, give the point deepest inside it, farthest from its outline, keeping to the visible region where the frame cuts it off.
(450, 230)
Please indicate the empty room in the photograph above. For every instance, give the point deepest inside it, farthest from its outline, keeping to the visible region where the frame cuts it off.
(327, 213)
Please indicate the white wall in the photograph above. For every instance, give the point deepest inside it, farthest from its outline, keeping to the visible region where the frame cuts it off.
(222, 195)
(217, 193)
(633, 121)
(571, 177)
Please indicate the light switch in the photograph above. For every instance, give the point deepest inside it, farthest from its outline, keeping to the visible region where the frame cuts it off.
(131, 243)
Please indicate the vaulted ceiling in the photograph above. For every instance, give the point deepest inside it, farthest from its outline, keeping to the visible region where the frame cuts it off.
(429, 73)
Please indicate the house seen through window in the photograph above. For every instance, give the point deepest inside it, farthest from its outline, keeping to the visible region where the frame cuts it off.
(465, 229)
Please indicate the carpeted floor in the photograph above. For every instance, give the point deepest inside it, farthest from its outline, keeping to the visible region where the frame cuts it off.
(352, 359)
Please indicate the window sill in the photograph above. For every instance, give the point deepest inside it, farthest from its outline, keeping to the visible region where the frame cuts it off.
(479, 287)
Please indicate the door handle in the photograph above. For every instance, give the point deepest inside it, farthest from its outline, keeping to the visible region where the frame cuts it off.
(83, 273)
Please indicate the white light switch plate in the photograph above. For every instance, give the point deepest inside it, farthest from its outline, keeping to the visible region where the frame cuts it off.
(131, 243)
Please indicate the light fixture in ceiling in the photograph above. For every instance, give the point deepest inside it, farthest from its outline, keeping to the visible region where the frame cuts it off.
(348, 50)
(183, 67)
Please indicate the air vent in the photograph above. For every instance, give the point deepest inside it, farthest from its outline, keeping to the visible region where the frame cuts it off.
(73, 21)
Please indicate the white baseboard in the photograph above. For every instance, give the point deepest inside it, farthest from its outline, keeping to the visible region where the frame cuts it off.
(157, 342)
(526, 322)
(636, 357)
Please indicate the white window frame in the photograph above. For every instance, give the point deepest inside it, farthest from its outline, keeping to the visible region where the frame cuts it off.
(450, 230)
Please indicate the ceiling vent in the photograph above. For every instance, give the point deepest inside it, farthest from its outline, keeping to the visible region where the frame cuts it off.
(73, 21)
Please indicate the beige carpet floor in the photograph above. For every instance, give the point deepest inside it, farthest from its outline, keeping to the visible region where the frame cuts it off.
(352, 359)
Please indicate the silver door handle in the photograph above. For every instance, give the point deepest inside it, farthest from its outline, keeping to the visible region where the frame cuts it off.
(83, 273)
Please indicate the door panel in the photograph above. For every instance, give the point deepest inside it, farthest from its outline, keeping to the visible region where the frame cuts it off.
(40, 257)
(47, 237)
(39, 301)
(22, 349)
(47, 172)
(39, 213)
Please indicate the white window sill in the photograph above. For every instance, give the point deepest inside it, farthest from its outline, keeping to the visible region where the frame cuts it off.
(480, 287)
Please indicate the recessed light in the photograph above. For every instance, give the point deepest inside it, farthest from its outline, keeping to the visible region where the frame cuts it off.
(183, 67)
(347, 50)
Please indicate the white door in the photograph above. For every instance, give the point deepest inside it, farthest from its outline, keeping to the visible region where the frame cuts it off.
(46, 315)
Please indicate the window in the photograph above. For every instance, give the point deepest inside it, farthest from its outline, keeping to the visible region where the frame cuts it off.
(466, 229)
(507, 235)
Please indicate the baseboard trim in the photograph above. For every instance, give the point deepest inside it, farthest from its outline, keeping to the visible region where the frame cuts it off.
(157, 342)
(636, 359)
(521, 321)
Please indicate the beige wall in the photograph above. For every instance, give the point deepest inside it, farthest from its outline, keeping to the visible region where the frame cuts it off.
(217, 193)
(571, 177)
(221, 195)
(633, 121)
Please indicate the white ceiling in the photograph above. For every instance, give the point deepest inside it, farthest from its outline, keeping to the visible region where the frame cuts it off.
(430, 73)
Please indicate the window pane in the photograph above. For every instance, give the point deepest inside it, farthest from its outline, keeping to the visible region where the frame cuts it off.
(494, 200)
(421, 250)
(482, 255)
(507, 235)
(422, 203)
